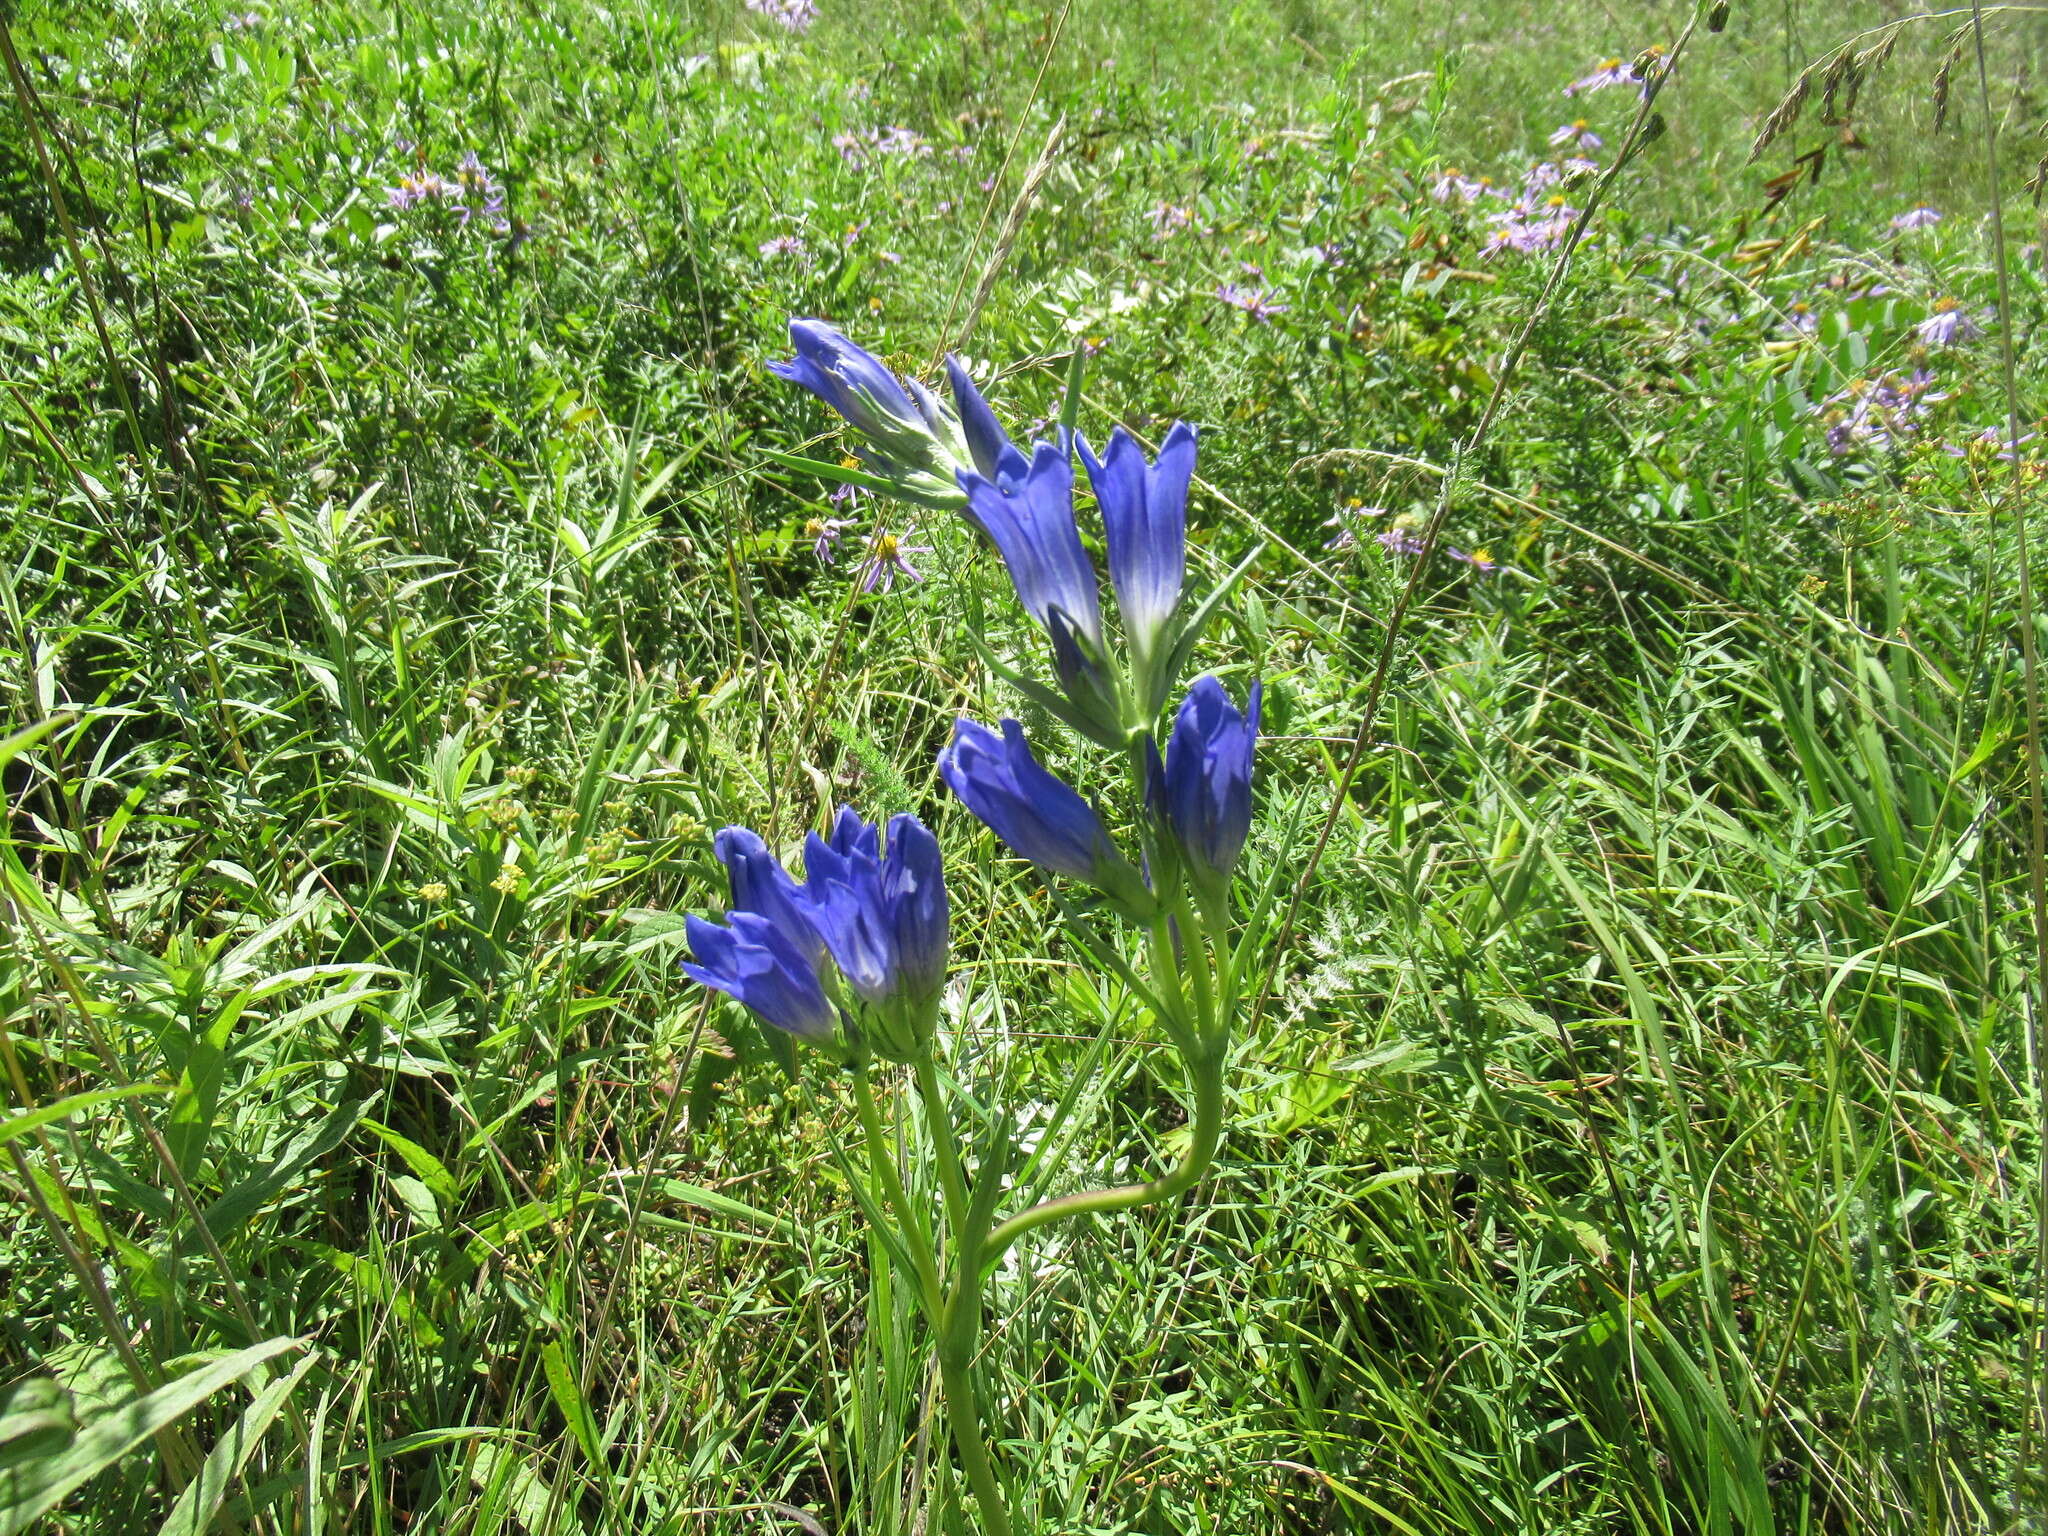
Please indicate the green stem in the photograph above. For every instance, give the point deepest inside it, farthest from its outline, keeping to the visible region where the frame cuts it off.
(882, 1159)
(952, 1178)
(1206, 1133)
(963, 1409)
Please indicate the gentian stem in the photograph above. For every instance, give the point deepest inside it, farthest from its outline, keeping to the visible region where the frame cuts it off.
(1206, 1129)
(882, 1160)
(963, 1408)
(952, 1178)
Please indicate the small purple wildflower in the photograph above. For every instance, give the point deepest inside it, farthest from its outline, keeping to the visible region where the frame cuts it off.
(1478, 559)
(1916, 218)
(1607, 72)
(1949, 326)
(782, 245)
(888, 557)
(888, 256)
(480, 195)
(246, 21)
(1451, 187)
(1579, 135)
(1169, 219)
(961, 152)
(792, 15)
(422, 187)
(1399, 540)
(1575, 166)
(1256, 302)
(1529, 230)
(1880, 413)
(825, 532)
(1991, 442)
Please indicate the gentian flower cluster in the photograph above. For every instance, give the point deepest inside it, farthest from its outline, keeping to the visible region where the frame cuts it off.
(853, 959)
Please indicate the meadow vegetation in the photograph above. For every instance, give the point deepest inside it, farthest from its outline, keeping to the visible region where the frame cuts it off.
(1640, 1126)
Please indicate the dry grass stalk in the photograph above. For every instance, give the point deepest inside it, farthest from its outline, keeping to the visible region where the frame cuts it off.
(1013, 226)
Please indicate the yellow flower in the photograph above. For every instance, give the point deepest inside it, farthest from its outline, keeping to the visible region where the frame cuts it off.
(508, 879)
(433, 890)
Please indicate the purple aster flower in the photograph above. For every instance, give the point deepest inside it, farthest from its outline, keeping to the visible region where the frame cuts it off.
(825, 533)
(1949, 326)
(1992, 442)
(1256, 302)
(782, 245)
(1607, 72)
(422, 187)
(1578, 134)
(850, 148)
(889, 258)
(900, 141)
(1543, 175)
(1169, 219)
(1451, 187)
(792, 15)
(1879, 413)
(478, 193)
(1575, 166)
(1800, 317)
(1399, 540)
(888, 557)
(961, 153)
(1916, 218)
(1478, 559)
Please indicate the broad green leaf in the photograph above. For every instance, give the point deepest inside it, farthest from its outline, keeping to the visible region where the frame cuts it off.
(29, 1492)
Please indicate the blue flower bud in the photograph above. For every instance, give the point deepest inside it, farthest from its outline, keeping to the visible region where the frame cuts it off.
(1039, 817)
(761, 885)
(1031, 522)
(914, 891)
(879, 915)
(850, 379)
(995, 458)
(1208, 781)
(755, 961)
(1144, 523)
(907, 436)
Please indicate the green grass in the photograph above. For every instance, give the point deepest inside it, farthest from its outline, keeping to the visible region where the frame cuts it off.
(1643, 1134)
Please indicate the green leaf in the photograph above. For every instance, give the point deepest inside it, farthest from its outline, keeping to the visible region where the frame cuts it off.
(568, 1396)
(29, 1492)
(194, 1511)
(22, 1124)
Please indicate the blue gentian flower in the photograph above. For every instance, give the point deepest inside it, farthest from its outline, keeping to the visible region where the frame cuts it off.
(761, 885)
(995, 457)
(1031, 522)
(870, 916)
(1034, 813)
(1144, 523)
(753, 960)
(1208, 781)
(908, 436)
(849, 378)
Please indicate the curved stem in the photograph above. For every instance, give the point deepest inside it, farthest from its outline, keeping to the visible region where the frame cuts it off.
(1207, 1132)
